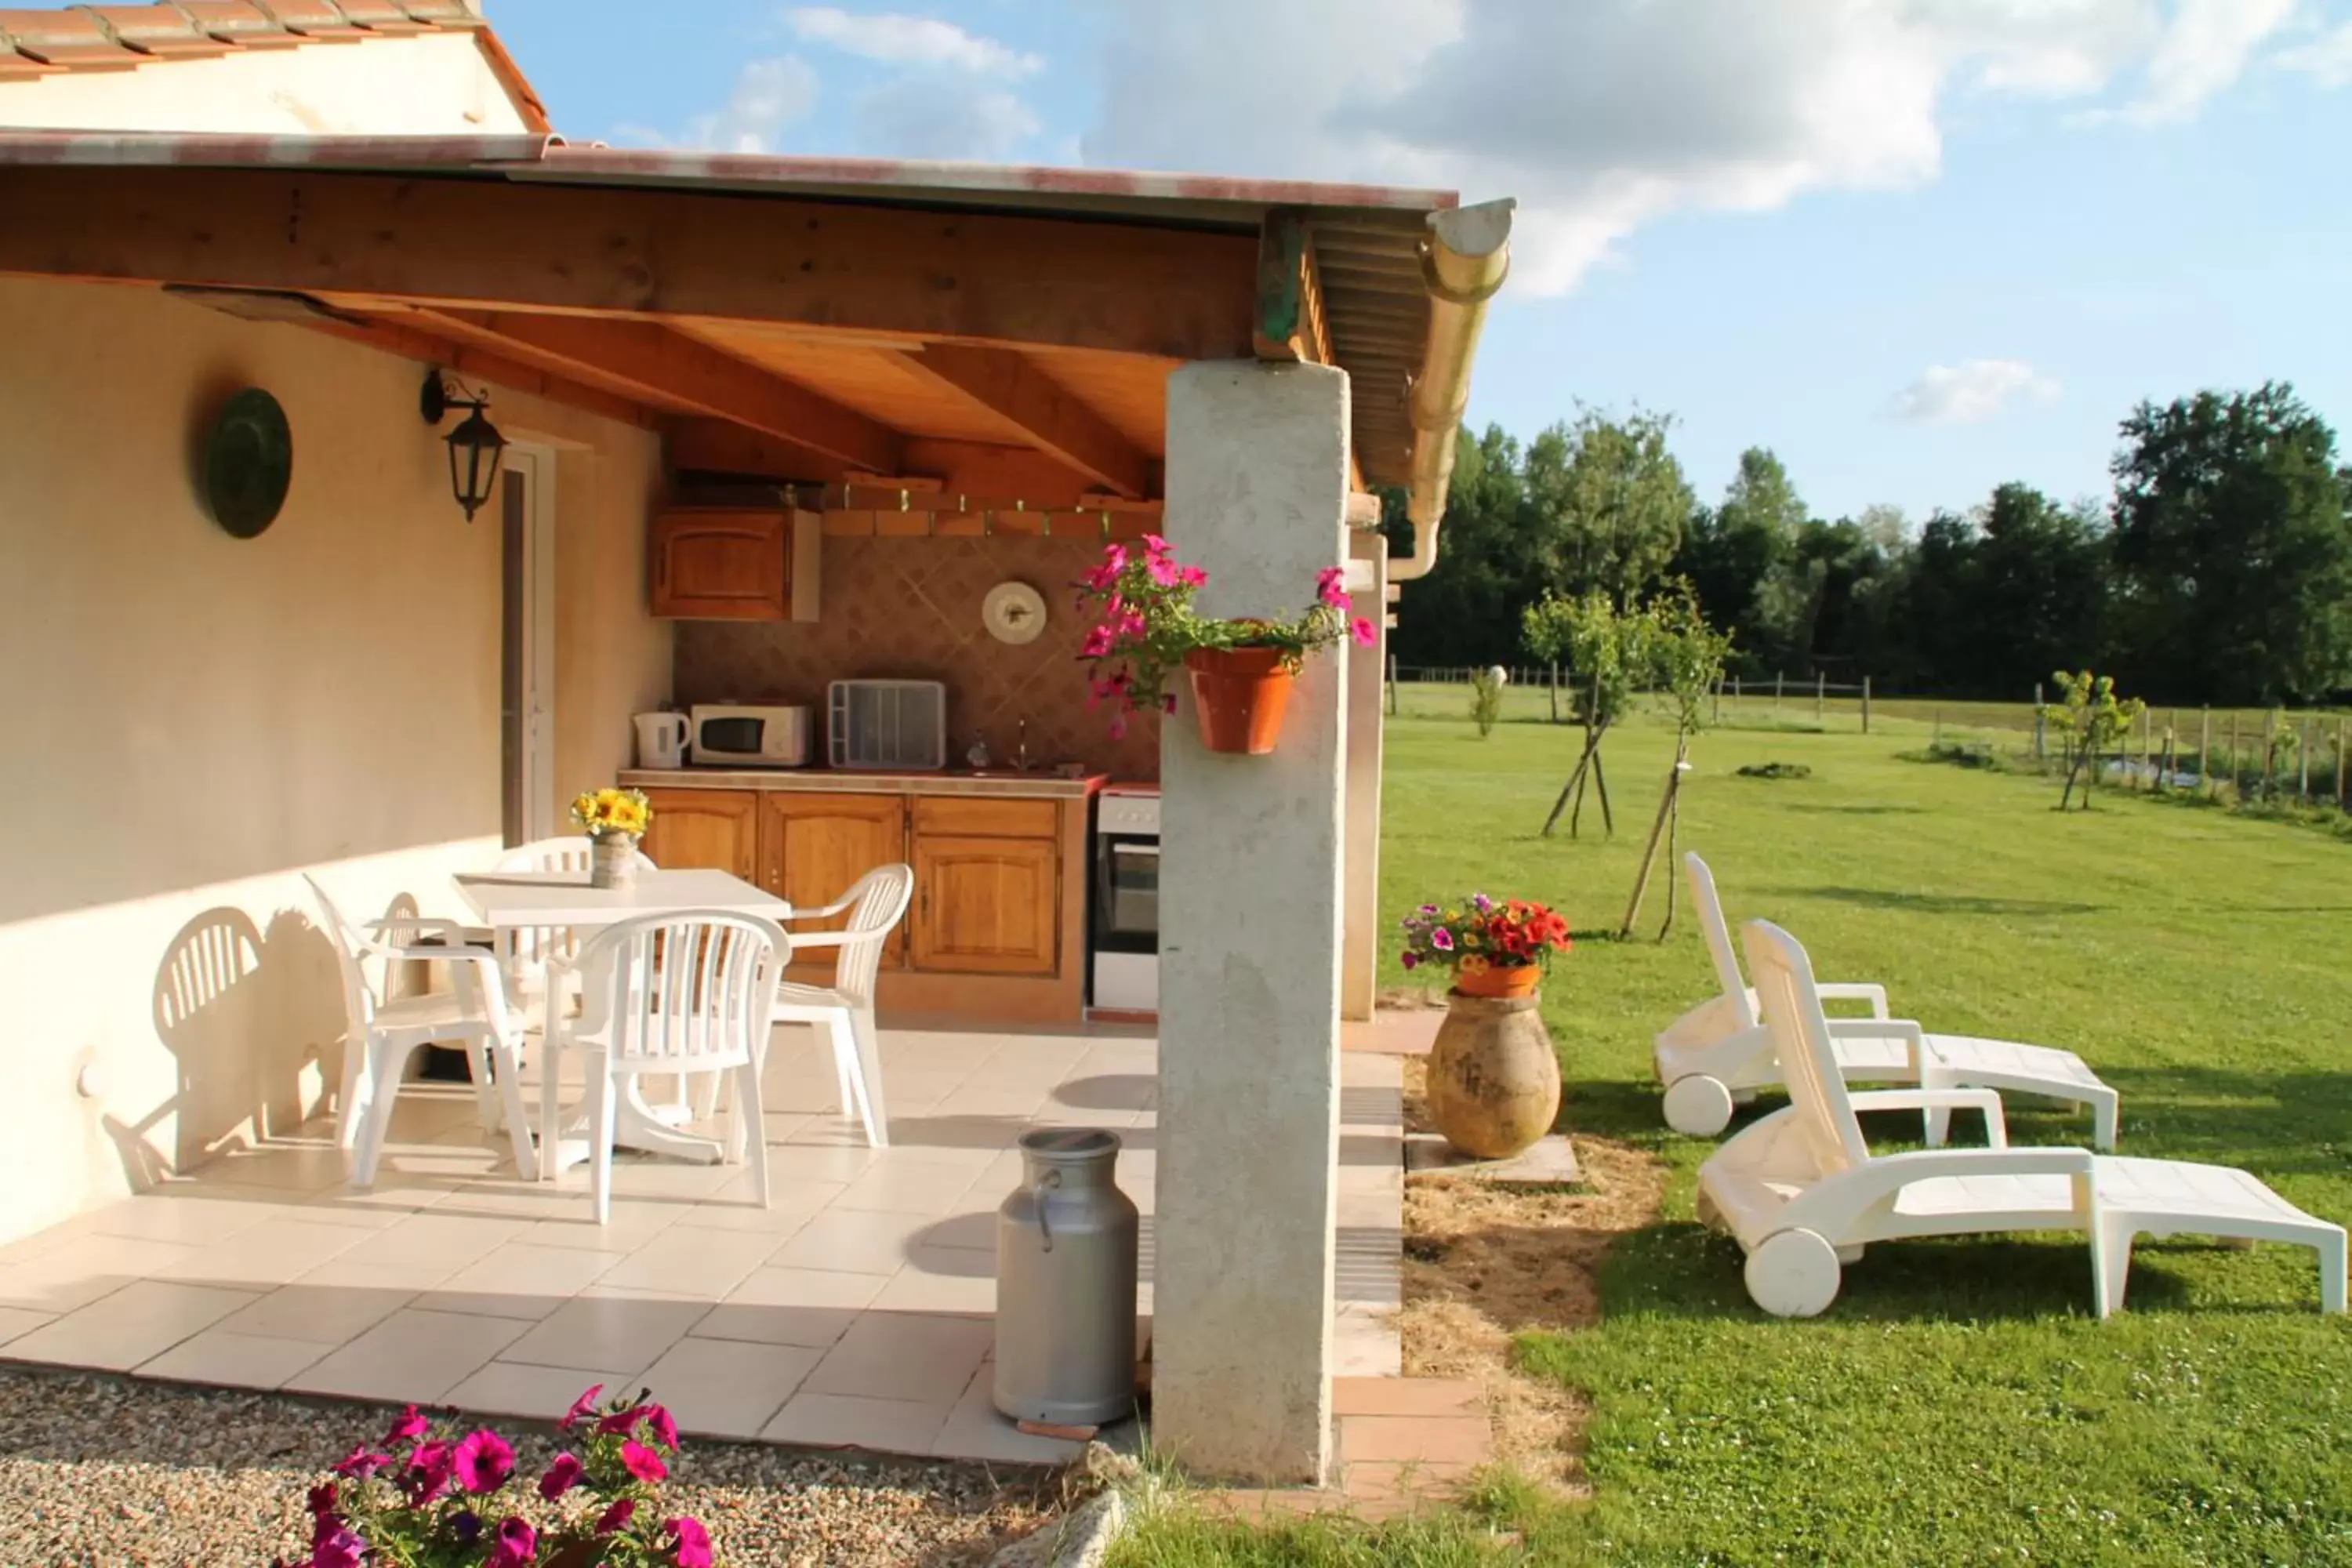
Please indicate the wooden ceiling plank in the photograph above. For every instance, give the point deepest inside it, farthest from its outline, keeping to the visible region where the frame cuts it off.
(475, 364)
(678, 372)
(1056, 420)
(495, 245)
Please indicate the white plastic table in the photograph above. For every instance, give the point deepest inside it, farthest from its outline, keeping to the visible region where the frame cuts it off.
(516, 900)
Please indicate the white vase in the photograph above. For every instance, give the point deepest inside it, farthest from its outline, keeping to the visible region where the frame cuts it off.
(613, 861)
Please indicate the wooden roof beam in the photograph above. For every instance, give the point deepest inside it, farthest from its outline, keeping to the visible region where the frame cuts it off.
(485, 244)
(1055, 420)
(644, 360)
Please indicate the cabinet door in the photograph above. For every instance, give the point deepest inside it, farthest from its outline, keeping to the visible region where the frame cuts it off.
(714, 830)
(813, 847)
(986, 906)
(722, 565)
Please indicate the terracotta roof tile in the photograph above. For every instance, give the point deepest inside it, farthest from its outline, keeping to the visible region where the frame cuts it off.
(36, 42)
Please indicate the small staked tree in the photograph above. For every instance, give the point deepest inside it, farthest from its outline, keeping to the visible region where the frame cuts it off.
(1684, 657)
(1602, 650)
(2088, 718)
(1486, 698)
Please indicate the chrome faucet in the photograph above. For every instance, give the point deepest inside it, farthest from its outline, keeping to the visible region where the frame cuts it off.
(1020, 749)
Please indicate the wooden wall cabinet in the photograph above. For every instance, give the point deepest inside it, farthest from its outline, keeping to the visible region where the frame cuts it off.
(715, 564)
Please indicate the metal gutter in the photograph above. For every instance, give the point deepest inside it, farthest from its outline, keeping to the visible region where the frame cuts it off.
(1464, 261)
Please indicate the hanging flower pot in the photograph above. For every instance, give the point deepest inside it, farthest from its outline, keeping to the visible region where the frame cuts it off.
(1239, 695)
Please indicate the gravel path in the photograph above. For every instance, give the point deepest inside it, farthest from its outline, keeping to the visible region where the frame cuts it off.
(100, 1470)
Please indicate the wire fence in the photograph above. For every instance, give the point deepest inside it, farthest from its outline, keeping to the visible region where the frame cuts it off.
(2249, 754)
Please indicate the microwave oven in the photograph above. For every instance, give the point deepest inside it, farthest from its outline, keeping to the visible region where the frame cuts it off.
(733, 735)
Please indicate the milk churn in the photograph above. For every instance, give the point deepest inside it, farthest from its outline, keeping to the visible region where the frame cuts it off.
(1066, 1262)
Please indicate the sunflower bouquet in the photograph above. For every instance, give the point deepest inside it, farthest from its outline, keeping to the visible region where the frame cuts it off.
(1479, 934)
(613, 813)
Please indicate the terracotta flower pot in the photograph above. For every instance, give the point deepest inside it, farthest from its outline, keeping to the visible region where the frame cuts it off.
(1239, 695)
(1494, 1078)
(1496, 981)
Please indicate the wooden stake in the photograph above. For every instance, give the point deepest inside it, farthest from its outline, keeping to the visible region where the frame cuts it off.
(1575, 784)
(1600, 787)
(2340, 764)
(2205, 749)
(1865, 710)
(1393, 686)
(1820, 696)
(2302, 759)
(1658, 829)
(2233, 751)
(1674, 836)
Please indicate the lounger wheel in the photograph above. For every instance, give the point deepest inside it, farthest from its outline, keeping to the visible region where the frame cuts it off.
(1795, 1274)
(1698, 1106)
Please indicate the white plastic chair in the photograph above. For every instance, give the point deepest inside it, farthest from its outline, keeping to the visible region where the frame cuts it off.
(1719, 1054)
(681, 991)
(1803, 1194)
(382, 1032)
(845, 1010)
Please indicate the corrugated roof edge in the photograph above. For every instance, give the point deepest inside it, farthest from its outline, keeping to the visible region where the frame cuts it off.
(1106, 192)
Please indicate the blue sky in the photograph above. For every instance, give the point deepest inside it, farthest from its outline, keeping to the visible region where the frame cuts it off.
(1918, 247)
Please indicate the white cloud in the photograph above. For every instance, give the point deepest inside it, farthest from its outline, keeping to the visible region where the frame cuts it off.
(2327, 59)
(1603, 115)
(1971, 392)
(891, 38)
(926, 117)
(769, 96)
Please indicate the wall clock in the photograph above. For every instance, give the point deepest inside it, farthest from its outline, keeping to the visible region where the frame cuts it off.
(248, 462)
(1013, 613)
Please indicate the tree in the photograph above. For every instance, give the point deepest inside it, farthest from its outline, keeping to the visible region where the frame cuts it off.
(1606, 660)
(1735, 556)
(1610, 503)
(2087, 718)
(1684, 657)
(2232, 551)
(1467, 612)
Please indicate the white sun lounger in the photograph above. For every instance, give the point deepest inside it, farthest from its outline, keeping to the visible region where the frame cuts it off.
(1803, 1193)
(1718, 1053)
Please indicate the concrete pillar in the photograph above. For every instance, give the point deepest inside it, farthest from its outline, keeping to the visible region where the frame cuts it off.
(1249, 950)
(1360, 885)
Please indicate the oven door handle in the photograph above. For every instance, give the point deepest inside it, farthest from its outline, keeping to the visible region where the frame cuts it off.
(1151, 850)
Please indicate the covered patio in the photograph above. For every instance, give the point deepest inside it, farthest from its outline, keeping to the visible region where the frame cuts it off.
(904, 352)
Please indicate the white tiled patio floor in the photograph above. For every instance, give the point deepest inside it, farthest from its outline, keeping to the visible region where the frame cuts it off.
(856, 1311)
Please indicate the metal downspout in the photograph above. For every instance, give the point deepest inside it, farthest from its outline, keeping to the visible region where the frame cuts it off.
(1463, 260)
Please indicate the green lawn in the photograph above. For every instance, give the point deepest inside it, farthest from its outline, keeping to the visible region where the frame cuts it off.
(1957, 1404)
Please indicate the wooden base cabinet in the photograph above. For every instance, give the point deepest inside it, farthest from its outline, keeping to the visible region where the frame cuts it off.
(986, 906)
(717, 829)
(813, 847)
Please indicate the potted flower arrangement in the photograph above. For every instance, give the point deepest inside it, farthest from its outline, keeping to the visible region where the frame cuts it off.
(1495, 948)
(1493, 1077)
(614, 820)
(1240, 671)
(423, 1494)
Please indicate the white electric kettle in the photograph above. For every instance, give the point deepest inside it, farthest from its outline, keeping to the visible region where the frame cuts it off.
(661, 739)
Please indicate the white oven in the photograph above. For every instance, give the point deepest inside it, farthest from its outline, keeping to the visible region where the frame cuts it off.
(735, 735)
(1123, 917)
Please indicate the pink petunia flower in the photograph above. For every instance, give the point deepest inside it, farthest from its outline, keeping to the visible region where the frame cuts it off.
(1411, 959)
(516, 1544)
(1097, 644)
(1163, 571)
(663, 1425)
(407, 1428)
(1191, 576)
(1155, 545)
(360, 1463)
(428, 1473)
(582, 1408)
(617, 1518)
(562, 1475)
(323, 1500)
(1330, 586)
(642, 1462)
(1364, 633)
(340, 1549)
(692, 1547)
(483, 1461)
(1442, 940)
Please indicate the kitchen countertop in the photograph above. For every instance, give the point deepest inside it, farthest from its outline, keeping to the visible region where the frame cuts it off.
(998, 782)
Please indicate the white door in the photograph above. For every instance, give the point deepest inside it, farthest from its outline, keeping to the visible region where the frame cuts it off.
(526, 512)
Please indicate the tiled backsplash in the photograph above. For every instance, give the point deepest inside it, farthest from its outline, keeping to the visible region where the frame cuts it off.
(909, 609)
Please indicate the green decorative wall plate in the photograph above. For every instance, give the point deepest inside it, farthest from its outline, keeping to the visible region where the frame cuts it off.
(248, 461)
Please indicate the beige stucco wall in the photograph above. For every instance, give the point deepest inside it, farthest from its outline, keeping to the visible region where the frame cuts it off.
(193, 720)
(432, 84)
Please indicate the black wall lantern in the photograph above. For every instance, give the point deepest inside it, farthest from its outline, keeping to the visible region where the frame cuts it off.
(476, 448)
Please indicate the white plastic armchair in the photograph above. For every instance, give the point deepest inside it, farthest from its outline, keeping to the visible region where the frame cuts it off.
(844, 1011)
(1803, 1194)
(526, 950)
(681, 992)
(382, 1031)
